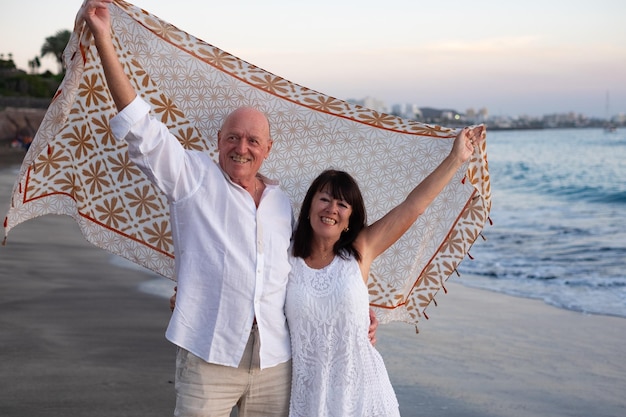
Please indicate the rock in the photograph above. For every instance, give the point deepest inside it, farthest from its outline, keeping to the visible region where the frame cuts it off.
(17, 129)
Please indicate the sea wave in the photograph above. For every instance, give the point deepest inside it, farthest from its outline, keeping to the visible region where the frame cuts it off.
(558, 215)
(588, 193)
(608, 298)
(523, 177)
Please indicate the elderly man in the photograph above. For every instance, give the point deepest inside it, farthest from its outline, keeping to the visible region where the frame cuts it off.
(231, 229)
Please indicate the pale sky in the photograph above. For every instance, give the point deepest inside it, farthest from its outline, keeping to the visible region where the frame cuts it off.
(530, 57)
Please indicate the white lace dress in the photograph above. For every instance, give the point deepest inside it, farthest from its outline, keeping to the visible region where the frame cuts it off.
(336, 370)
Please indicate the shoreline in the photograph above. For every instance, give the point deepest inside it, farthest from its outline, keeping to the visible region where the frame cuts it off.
(503, 355)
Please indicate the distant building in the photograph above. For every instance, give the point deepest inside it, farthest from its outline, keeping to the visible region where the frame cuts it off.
(371, 103)
(618, 119)
(407, 111)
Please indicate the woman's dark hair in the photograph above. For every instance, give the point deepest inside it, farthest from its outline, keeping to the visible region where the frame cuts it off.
(342, 186)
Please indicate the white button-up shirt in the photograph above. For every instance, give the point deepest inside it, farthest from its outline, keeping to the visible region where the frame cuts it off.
(231, 257)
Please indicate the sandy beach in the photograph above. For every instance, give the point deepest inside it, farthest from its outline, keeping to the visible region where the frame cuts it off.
(79, 339)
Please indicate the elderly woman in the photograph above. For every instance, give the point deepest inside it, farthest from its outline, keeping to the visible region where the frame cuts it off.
(336, 370)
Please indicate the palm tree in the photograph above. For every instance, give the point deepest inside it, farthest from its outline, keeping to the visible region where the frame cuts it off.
(34, 65)
(55, 45)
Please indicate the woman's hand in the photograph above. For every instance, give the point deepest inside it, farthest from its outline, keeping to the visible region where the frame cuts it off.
(467, 139)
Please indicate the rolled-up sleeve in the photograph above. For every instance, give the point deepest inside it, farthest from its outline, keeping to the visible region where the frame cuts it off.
(128, 117)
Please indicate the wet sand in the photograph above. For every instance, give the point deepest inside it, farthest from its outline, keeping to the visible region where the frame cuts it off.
(79, 339)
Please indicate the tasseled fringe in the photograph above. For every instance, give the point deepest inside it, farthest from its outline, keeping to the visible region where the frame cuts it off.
(456, 271)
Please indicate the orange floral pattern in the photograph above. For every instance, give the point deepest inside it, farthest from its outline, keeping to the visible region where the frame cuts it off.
(75, 166)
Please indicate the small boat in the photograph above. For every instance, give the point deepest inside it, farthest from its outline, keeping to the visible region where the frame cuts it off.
(609, 127)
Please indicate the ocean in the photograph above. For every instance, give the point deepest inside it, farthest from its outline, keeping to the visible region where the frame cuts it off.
(559, 219)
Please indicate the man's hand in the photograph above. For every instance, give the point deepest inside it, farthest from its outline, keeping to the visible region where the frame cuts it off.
(373, 326)
(97, 17)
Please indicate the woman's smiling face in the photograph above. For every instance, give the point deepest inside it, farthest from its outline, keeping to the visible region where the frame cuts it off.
(329, 216)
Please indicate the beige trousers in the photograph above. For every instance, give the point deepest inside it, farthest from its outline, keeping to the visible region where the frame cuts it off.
(208, 390)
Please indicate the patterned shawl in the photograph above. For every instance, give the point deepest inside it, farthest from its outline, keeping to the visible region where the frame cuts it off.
(75, 166)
